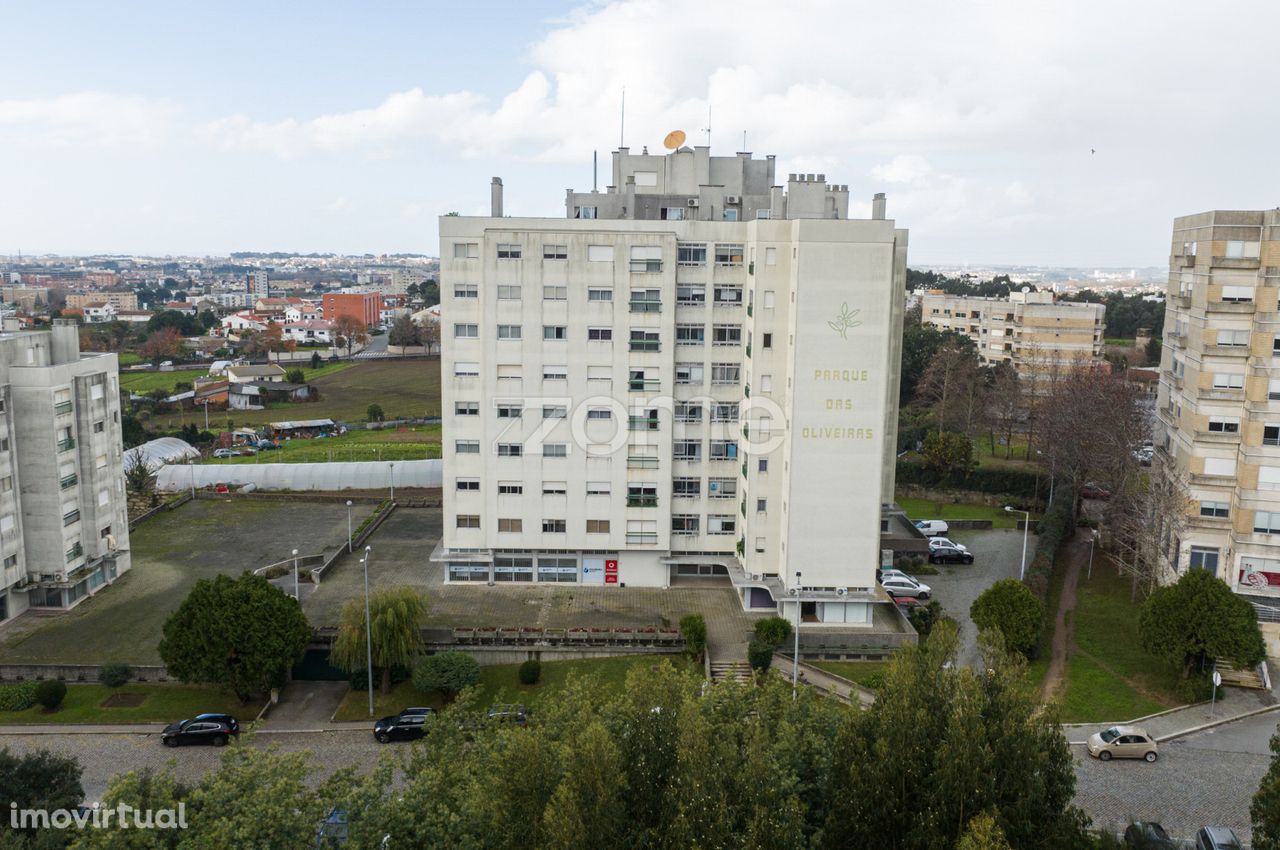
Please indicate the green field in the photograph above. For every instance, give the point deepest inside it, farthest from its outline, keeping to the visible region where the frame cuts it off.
(161, 703)
(1109, 676)
(144, 382)
(415, 443)
(868, 674)
(925, 509)
(128, 358)
(405, 389)
(498, 684)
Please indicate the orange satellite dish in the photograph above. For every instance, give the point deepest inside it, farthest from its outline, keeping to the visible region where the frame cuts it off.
(673, 140)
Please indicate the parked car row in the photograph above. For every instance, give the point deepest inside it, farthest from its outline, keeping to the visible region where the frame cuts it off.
(412, 723)
(1147, 835)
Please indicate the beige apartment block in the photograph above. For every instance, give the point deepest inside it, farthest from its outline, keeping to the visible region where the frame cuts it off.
(692, 377)
(119, 300)
(1218, 405)
(1030, 330)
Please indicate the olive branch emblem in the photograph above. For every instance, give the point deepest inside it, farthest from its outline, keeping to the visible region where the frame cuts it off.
(845, 320)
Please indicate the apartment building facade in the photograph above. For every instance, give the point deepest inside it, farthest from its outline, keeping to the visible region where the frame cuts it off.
(365, 307)
(1218, 404)
(257, 285)
(1032, 331)
(118, 300)
(64, 529)
(689, 378)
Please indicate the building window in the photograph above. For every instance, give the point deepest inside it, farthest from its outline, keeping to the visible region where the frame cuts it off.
(99, 427)
(1234, 338)
(691, 254)
(689, 373)
(585, 212)
(510, 450)
(558, 569)
(6, 484)
(510, 488)
(597, 526)
(466, 290)
(724, 411)
(554, 411)
(685, 523)
(730, 215)
(508, 252)
(1215, 509)
(728, 255)
(467, 447)
(599, 334)
(468, 520)
(555, 450)
(468, 484)
(555, 252)
(1224, 425)
(722, 488)
(1237, 294)
(646, 258)
(725, 373)
(468, 572)
(509, 332)
(689, 294)
(722, 524)
(466, 331)
(762, 505)
(599, 294)
(513, 569)
(555, 373)
(552, 333)
(1265, 522)
(672, 213)
(599, 488)
(600, 253)
(762, 464)
(508, 372)
(766, 341)
(1235, 249)
(686, 449)
(553, 526)
(726, 335)
(730, 296)
(1224, 381)
(686, 487)
(1204, 558)
(509, 411)
(466, 250)
(1271, 434)
(555, 293)
(690, 334)
(642, 340)
(510, 525)
(466, 408)
(688, 411)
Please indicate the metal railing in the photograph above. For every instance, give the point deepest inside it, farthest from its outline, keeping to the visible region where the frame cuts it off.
(71, 517)
(645, 306)
(68, 481)
(642, 501)
(63, 407)
(642, 384)
(646, 345)
(642, 423)
(68, 443)
(75, 552)
(642, 537)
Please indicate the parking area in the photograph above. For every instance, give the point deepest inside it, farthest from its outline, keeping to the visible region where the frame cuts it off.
(997, 554)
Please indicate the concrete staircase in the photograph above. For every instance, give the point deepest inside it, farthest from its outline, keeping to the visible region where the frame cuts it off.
(1240, 677)
(739, 670)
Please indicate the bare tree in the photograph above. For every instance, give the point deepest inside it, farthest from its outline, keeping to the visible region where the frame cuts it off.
(1006, 407)
(948, 387)
(429, 333)
(1145, 523)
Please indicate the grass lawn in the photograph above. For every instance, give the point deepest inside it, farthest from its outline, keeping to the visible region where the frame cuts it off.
(144, 382)
(868, 674)
(925, 509)
(1017, 459)
(1109, 676)
(498, 684)
(128, 358)
(387, 444)
(404, 388)
(161, 703)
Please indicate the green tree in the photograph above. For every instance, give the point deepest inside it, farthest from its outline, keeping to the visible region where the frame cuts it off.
(773, 631)
(256, 798)
(1010, 608)
(132, 432)
(395, 618)
(1198, 618)
(296, 376)
(1265, 808)
(693, 628)
(144, 790)
(316, 360)
(374, 413)
(50, 693)
(138, 480)
(243, 634)
(38, 780)
(948, 453)
(983, 833)
(587, 808)
(921, 342)
(404, 332)
(447, 672)
(207, 319)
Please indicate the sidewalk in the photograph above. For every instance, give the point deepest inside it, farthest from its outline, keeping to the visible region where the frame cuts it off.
(1233, 704)
(836, 686)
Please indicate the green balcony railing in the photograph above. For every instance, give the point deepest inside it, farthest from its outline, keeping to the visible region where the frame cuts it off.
(642, 384)
(68, 481)
(635, 462)
(646, 266)
(67, 444)
(71, 517)
(642, 501)
(749, 309)
(646, 345)
(748, 349)
(642, 423)
(63, 407)
(74, 552)
(645, 306)
(642, 537)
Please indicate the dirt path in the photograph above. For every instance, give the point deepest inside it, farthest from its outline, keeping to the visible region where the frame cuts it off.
(1076, 555)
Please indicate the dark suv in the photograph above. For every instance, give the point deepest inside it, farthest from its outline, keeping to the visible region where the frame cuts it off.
(408, 725)
(1146, 835)
(214, 729)
(949, 555)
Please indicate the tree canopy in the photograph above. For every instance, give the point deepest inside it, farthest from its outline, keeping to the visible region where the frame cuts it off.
(1009, 607)
(396, 624)
(241, 633)
(1198, 618)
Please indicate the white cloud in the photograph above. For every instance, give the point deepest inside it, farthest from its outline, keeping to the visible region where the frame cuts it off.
(84, 118)
(905, 168)
(336, 205)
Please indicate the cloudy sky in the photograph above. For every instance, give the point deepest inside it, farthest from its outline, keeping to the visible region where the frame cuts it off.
(204, 128)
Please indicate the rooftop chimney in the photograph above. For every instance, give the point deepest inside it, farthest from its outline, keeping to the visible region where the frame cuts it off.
(66, 341)
(877, 206)
(495, 198)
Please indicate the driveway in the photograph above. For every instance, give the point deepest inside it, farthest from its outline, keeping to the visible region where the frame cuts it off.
(306, 705)
(996, 554)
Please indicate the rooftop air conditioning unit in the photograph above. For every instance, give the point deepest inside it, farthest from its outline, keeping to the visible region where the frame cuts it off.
(733, 199)
(693, 202)
(755, 576)
(841, 591)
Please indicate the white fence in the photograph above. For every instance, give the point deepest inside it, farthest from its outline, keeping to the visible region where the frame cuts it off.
(359, 475)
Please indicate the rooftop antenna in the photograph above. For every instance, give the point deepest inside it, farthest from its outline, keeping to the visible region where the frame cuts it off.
(595, 171)
(707, 129)
(622, 128)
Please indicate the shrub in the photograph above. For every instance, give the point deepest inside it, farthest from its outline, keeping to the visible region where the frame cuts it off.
(17, 697)
(1010, 608)
(447, 672)
(1010, 482)
(530, 672)
(1198, 688)
(773, 631)
(115, 674)
(693, 628)
(923, 617)
(50, 693)
(760, 655)
(374, 413)
(359, 680)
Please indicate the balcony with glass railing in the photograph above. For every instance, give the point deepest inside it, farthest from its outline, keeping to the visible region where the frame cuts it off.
(66, 444)
(75, 552)
(642, 423)
(68, 481)
(71, 517)
(641, 462)
(646, 345)
(646, 305)
(642, 537)
(646, 266)
(641, 501)
(63, 407)
(642, 384)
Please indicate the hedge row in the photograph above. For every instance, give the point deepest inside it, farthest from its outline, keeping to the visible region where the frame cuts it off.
(17, 697)
(1012, 482)
(1056, 527)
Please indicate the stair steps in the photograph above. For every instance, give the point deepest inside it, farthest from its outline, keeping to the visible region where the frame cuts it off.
(1238, 677)
(739, 670)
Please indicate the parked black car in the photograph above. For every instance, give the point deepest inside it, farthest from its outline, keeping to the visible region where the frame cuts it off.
(214, 729)
(948, 555)
(514, 714)
(1147, 835)
(408, 725)
(1216, 838)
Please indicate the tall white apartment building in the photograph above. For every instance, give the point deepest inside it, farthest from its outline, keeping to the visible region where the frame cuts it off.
(1218, 405)
(64, 532)
(691, 377)
(257, 285)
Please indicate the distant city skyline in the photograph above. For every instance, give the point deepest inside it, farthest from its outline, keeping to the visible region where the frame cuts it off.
(1068, 137)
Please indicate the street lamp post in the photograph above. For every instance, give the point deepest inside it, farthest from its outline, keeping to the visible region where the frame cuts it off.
(368, 626)
(392, 480)
(1093, 538)
(295, 576)
(795, 657)
(1026, 526)
(348, 526)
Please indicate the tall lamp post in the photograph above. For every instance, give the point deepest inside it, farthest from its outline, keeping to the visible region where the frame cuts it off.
(368, 626)
(1093, 538)
(349, 526)
(295, 576)
(392, 480)
(795, 657)
(1026, 526)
